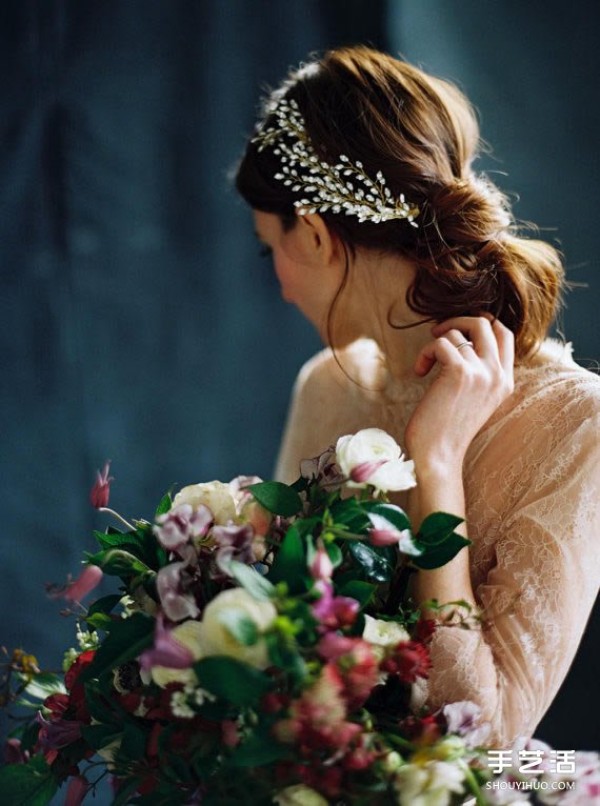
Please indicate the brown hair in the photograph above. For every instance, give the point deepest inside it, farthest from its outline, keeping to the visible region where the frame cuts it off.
(422, 134)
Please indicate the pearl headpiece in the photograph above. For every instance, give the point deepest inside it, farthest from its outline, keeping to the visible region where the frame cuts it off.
(343, 187)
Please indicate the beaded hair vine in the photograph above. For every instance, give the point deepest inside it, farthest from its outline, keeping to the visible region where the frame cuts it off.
(343, 187)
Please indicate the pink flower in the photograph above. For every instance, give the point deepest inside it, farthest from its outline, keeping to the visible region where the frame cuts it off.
(230, 733)
(362, 473)
(332, 645)
(321, 567)
(78, 789)
(167, 651)
(384, 533)
(75, 590)
(100, 492)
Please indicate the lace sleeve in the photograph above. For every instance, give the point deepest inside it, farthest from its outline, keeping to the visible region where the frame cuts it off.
(535, 600)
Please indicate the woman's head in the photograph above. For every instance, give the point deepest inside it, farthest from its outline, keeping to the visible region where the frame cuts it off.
(420, 135)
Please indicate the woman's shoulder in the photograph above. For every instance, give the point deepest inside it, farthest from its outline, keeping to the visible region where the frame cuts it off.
(553, 378)
(354, 369)
(554, 399)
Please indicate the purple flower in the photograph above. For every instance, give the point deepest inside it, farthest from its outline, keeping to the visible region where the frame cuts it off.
(167, 651)
(464, 718)
(56, 734)
(176, 603)
(100, 492)
(181, 524)
(323, 468)
(234, 543)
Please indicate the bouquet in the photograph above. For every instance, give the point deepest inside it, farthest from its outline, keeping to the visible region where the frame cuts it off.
(261, 648)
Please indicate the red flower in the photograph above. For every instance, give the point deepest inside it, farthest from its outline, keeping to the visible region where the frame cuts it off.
(424, 630)
(100, 492)
(409, 660)
(359, 669)
(424, 730)
(77, 703)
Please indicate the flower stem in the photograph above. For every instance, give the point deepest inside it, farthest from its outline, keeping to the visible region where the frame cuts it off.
(118, 517)
(472, 783)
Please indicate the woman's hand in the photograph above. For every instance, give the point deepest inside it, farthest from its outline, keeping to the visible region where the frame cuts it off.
(476, 357)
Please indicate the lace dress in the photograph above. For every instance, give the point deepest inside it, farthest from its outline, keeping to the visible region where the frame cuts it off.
(532, 487)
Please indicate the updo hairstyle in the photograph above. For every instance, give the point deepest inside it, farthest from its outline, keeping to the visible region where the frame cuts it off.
(422, 134)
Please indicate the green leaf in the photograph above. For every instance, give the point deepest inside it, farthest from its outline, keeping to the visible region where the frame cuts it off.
(133, 743)
(164, 505)
(374, 563)
(437, 527)
(237, 624)
(436, 556)
(393, 514)
(99, 736)
(127, 788)
(104, 605)
(232, 680)
(44, 684)
(118, 562)
(290, 561)
(252, 581)
(99, 621)
(258, 750)
(350, 513)
(277, 497)
(31, 784)
(359, 590)
(126, 640)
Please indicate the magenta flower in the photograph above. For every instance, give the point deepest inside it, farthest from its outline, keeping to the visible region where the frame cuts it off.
(167, 651)
(182, 523)
(176, 604)
(100, 492)
(332, 611)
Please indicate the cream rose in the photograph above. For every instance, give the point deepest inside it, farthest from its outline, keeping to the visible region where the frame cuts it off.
(189, 634)
(383, 633)
(299, 795)
(213, 494)
(372, 456)
(216, 639)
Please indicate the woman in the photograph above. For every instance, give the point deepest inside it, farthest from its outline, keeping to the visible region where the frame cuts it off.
(435, 314)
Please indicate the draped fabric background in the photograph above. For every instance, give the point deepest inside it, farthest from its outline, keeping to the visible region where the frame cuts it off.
(137, 321)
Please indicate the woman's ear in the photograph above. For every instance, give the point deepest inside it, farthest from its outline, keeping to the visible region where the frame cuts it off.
(320, 243)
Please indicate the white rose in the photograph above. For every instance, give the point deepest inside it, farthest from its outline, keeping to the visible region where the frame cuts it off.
(189, 635)
(372, 456)
(383, 633)
(299, 795)
(430, 784)
(213, 494)
(217, 639)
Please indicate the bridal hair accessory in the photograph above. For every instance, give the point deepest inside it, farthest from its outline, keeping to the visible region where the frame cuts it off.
(343, 187)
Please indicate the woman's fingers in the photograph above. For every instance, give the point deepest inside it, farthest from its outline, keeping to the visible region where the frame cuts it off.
(440, 350)
(474, 328)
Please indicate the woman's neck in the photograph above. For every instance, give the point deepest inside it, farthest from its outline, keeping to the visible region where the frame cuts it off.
(373, 305)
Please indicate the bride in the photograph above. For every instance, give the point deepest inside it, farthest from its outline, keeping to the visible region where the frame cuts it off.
(435, 312)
